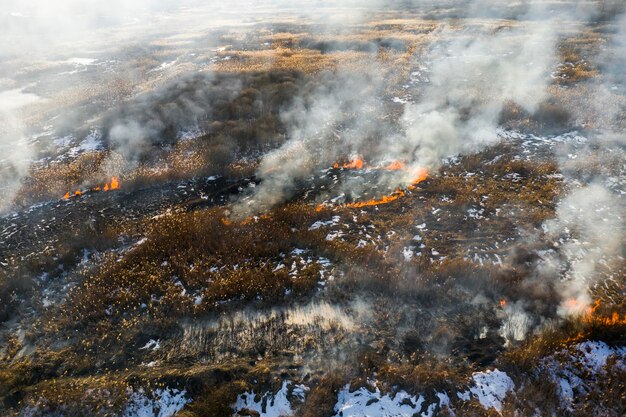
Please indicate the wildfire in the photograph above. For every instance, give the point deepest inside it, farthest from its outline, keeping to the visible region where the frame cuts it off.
(395, 166)
(418, 175)
(502, 302)
(359, 163)
(114, 184)
(592, 316)
(384, 200)
(356, 163)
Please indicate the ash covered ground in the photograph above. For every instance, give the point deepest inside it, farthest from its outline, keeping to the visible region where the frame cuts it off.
(349, 208)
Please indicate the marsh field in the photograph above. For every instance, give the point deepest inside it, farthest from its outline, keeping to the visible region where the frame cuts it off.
(312, 208)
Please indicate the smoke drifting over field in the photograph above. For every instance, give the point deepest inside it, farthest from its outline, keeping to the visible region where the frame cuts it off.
(305, 184)
(591, 214)
(456, 112)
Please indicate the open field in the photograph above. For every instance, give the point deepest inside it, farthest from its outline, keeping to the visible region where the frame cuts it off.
(350, 209)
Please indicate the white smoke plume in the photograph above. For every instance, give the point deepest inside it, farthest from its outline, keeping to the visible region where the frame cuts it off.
(473, 76)
(333, 120)
(588, 232)
(471, 81)
(40, 36)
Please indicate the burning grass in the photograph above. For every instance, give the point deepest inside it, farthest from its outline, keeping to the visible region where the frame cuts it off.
(419, 283)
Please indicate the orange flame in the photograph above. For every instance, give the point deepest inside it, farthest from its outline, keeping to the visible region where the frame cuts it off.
(419, 175)
(502, 302)
(395, 166)
(592, 316)
(384, 200)
(356, 163)
(113, 185)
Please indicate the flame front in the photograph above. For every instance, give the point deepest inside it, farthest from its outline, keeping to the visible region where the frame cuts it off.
(395, 166)
(356, 163)
(593, 316)
(114, 184)
(383, 200)
(418, 175)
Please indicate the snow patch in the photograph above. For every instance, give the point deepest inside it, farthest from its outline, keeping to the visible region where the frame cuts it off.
(319, 224)
(161, 403)
(576, 369)
(152, 344)
(363, 402)
(490, 388)
(270, 404)
(92, 142)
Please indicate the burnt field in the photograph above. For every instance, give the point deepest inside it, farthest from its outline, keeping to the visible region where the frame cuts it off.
(349, 209)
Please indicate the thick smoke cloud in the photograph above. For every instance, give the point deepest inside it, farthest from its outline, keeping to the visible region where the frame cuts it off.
(15, 158)
(588, 232)
(473, 76)
(471, 81)
(37, 35)
(332, 120)
(158, 117)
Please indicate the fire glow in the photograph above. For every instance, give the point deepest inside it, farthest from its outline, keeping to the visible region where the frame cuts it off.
(421, 175)
(418, 176)
(355, 163)
(114, 184)
(592, 316)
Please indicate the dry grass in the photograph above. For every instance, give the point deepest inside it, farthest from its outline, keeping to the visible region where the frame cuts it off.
(137, 295)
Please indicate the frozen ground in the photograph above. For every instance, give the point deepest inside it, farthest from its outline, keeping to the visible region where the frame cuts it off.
(575, 372)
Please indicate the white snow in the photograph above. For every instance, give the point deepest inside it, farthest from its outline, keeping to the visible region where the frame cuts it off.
(364, 403)
(81, 61)
(319, 224)
(474, 213)
(490, 388)
(162, 403)
(164, 66)
(403, 100)
(334, 235)
(63, 141)
(152, 344)
(189, 134)
(92, 142)
(269, 404)
(574, 370)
